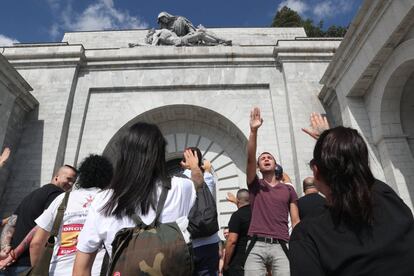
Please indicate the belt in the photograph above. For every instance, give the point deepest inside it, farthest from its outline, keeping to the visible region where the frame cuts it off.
(267, 239)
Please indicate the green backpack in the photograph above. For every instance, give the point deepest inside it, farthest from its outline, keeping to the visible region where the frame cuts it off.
(158, 249)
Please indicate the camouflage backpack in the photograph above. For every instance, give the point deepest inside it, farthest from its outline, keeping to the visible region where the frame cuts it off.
(158, 249)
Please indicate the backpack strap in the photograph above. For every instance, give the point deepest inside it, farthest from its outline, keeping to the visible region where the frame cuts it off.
(166, 186)
(42, 266)
(59, 215)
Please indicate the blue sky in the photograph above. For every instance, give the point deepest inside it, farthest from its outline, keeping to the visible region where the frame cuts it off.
(46, 20)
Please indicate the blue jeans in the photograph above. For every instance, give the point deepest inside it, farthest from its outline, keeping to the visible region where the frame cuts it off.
(206, 260)
(13, 270)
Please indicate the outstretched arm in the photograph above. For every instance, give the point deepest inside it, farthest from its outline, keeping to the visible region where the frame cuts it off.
(7, 235)
(286, 178)
(4, 156)
(18, 251)
(231, 198)
(318, 124)
(255, 122)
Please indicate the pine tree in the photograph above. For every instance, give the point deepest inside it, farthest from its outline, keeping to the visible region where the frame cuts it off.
(287, 17)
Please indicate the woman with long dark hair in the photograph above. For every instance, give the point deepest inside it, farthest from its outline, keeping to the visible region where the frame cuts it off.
(366, 229)
(139, 173)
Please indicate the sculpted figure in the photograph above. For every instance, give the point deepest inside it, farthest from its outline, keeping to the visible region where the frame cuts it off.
(179, 31)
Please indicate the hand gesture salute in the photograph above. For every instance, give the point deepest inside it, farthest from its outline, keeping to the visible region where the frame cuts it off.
(255, 119)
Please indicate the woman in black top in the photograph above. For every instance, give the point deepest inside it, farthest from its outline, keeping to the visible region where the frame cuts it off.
(366, 229)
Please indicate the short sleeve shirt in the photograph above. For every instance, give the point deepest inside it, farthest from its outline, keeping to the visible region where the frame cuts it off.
(239, 223)
(270, 209)
(74, 218)
(31, 207)
(100, 229)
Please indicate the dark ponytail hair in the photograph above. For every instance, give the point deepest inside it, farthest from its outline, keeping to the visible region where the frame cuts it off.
(140, 165)
(341, 157)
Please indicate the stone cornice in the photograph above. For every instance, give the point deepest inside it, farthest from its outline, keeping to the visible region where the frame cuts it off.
(305, 50)
(366, 47)
(44, 55)
(16, 85)
(170, 56)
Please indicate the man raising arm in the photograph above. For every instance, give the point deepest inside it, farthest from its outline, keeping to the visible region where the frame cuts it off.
(271, 202)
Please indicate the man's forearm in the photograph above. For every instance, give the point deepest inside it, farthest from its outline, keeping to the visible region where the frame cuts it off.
(24, 245)
(251, 156)
(229, 253)
(197, 177)
(8, 232)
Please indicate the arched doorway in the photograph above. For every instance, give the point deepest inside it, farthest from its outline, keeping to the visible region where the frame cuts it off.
(219, 140)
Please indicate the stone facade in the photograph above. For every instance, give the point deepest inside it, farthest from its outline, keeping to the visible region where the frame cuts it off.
(370, 80)
(92, 86)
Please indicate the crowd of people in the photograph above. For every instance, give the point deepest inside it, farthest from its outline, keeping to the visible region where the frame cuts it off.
(133, 218)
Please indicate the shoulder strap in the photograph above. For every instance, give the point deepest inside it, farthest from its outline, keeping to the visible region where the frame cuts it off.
(59, 215)
(42, 267)
(166, 186)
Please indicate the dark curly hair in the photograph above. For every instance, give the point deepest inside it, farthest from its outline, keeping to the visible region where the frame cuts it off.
(95, 171)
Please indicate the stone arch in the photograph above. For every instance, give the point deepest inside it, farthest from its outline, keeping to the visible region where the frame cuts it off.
(219, 140)
(385, 116)
(387, 91)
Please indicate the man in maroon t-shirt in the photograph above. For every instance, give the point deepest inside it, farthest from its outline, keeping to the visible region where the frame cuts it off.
(271, 201)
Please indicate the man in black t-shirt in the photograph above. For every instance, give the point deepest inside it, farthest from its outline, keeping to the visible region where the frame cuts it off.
(23, 219)
(237, 240)
(312, 203)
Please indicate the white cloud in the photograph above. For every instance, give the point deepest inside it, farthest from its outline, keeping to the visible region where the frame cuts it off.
(329, 8)
(7, 41)
(297, 5)
(100, 15)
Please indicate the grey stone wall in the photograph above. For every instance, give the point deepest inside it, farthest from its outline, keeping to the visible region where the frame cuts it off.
(15, 103)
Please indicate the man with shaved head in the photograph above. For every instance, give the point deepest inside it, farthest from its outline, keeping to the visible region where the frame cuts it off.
(312, 203)
(23, 219)
(237, 237)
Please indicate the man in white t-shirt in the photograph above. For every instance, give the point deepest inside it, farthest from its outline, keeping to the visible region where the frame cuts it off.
(95, 173)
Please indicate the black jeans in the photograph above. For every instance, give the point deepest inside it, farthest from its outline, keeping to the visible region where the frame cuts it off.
(234, 271)
(206, 260)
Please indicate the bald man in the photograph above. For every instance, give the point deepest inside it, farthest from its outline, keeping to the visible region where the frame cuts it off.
(312, 203)
(237, 238)
(23, 219)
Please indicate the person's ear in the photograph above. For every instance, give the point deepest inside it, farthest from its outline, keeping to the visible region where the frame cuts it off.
(316, 174)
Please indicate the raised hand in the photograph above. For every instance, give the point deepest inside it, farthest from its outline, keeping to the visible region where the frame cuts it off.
(191, 159)
(231, 198)
(255, 119)
(4, 156)
(207, 166)
(318, 124)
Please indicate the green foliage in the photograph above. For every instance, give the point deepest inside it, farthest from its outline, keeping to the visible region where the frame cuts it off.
(287, 17)
(335, 31)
